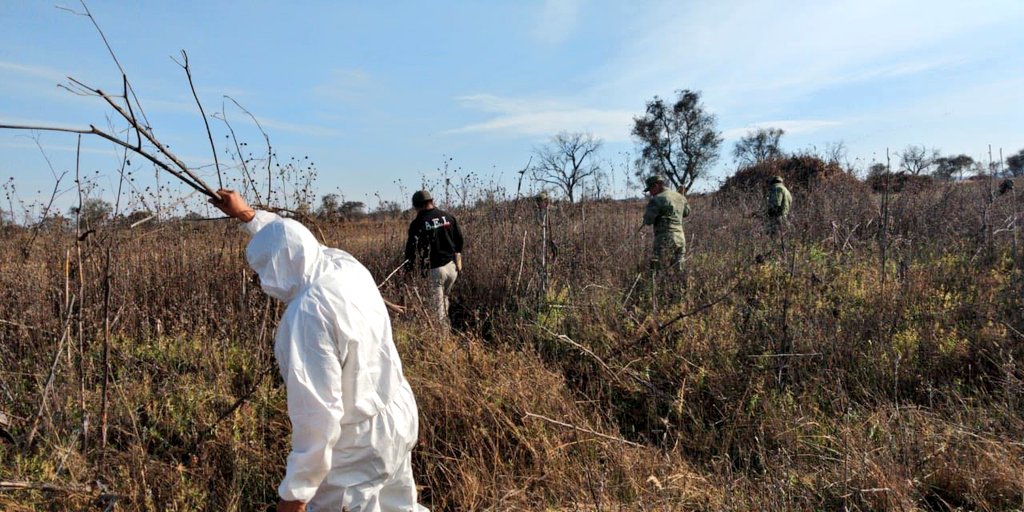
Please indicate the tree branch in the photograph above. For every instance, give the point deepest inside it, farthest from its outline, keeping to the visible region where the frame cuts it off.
(581, 429)
(196, 180)
(95, 131)
(270, 149)
(209, 135)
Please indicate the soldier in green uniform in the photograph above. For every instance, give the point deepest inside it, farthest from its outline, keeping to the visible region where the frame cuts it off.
(665, 211)
(778, 202)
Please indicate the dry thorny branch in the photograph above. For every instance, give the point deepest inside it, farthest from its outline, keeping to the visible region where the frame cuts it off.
(127, 103)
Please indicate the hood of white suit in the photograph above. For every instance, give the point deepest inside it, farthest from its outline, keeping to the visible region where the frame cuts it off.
(287, 258)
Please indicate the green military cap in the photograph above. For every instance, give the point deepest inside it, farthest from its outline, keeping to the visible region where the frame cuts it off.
(652, 181)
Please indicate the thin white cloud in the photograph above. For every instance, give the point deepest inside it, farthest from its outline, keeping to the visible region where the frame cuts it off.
(169, 106)
(790, 126)
(22, 80)
(344, 85)
(189, 108)
(299, 128)
(745, 53)
(900, 69)
(34, 71)
(781, 88)
(557, 21)
(210, 92)
(58, 148)
(750, 57)
(503, 105)
(543, 117)
(19, 142)
(965, 120)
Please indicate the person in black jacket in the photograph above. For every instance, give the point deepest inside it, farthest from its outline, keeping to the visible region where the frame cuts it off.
(435, 246)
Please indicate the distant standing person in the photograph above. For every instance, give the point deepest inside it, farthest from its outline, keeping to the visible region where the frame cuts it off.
(665, 211)
(435, 247)
(778, 202)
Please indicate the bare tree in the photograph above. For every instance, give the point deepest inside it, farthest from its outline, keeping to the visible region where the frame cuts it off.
(1015, 164)
(917, 160)
(758, 146)
(677, 140)
(567, 161)
(836, 153)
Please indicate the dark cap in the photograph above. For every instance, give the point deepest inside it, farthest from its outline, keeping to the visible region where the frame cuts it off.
(775, 179)
(652, 181)
(420, 198)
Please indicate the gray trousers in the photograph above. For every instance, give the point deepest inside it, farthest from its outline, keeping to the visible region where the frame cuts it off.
(441, 281)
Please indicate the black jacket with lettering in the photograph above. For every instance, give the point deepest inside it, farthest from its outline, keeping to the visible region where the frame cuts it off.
(434, 238)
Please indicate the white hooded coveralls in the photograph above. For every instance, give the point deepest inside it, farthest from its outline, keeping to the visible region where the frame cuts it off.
(354, 417)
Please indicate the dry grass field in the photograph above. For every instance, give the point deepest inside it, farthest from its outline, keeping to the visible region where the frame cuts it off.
(870, 361)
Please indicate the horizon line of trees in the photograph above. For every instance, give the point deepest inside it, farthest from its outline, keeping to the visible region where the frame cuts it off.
(679, 139)
(676, 138)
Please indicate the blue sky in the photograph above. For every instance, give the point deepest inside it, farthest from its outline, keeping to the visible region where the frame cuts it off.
(378, 93)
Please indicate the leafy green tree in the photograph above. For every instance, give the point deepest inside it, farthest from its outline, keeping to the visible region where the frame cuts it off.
(876, 170)
(328, 206)
(352, 209)
(758, 146)
(389, 208)
(94, 212)
(947, 167)
(137, 215)
(677, 140)
(55, 221)
(332, 207)
(1015, 164)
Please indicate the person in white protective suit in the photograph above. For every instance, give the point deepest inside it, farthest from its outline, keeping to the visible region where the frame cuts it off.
(354, 417)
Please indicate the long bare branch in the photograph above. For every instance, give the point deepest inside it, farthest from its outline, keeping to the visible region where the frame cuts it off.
(529, 414)
(27, 250)
(266, 138)
(202, 187)
(209, 134)
(49, 379)
(113, 55)
(238, 150)
(150, 137)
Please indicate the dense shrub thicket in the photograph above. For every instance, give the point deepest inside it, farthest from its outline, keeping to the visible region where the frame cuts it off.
(800, 172)
(899, 182)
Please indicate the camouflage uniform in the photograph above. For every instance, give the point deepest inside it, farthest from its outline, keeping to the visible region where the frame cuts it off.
(665, 212)
(778, 202)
